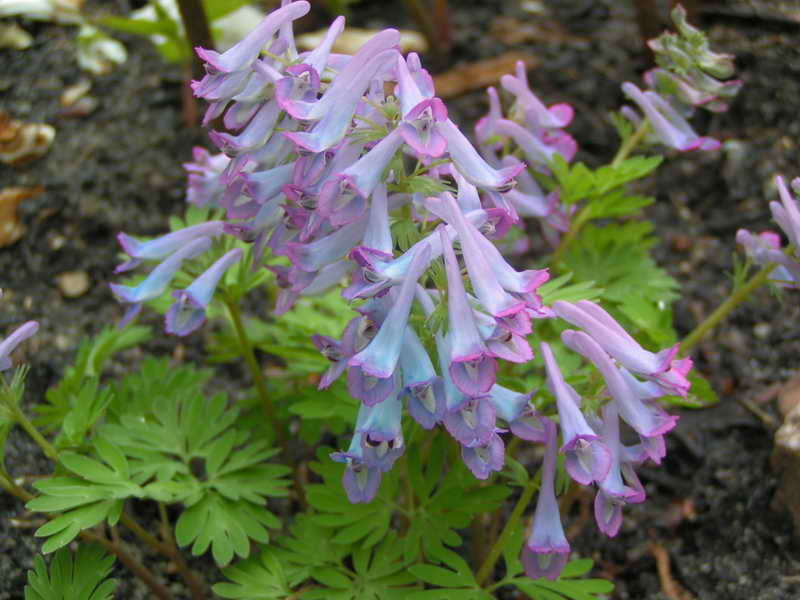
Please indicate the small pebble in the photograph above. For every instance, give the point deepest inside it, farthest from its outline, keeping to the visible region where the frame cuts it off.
(73, 283)
(762, 331)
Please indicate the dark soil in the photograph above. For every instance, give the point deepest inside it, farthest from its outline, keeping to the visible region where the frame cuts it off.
(119, 168)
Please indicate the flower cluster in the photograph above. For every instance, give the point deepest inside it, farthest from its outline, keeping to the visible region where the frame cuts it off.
(765, 248)
(538, 131)
(323, 156)
(688, 76)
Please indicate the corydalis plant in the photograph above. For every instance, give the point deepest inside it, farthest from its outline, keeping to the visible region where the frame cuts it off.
(321, 166)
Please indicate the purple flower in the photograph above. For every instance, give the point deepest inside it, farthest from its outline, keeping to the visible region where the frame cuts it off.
(467, 160)
(367, 172)
(786, 213)
(333, 112)
(529, 425)
(379, 271)
(204, 187)
(613, 493)
(156, 283)
(9, 344)
(423, 388)
(241, 56)
(547, 550)
(379, 359)
(508, 404)
(471, 366)
(536, 114)
(166, 244)
(482, 460)
(488, 289)
(254, 135)
(337, 352)
(670, 127)
(472, 423)
(189, 311)
(765, 248)
(647, 418)
(314, 255)
(420, 111)
(587, 457)
(381, 431)
(663, 367)
(361, 481)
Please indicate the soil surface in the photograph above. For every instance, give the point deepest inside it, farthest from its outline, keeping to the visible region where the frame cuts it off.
(710, 514)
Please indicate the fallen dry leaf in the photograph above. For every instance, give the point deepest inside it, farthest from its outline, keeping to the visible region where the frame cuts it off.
(478, 75)
(11, 229)
(76, 101)
(786, 453)
(513, 32)
(21, 142)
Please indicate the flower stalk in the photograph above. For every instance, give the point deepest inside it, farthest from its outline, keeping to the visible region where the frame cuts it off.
(724, 309)
(511, 525)
(257, 374)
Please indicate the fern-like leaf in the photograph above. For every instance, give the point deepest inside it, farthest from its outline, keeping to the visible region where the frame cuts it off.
(81, 576)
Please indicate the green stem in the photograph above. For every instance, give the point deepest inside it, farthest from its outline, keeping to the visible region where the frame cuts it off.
(255, 371)
(7, 483)
(31, 430)
(486, 568)
(630, 144)
(585, 214)
(583, 217)
(724, 309)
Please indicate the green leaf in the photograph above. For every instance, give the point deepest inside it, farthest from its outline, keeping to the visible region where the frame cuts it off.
(446, 503)
(81, 576)
(701, 394)
(566, 586)
(216, 9)
(182, 446)
(637, 167)
(557, 289)
(138, 26)
(332, 578)
(364, 523)
(78, 389)
(617, 258)
(224, 526)
(263, 577)
(440, 576)
(95, 493)
(575, 181)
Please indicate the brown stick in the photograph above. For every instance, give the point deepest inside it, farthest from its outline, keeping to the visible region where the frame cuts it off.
(198, 33)
(671, 588)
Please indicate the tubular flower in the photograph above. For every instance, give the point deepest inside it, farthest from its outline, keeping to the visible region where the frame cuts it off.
(587, 457)
(156, 283)
(189, 311)
(663, 367)
(547, 550)
(472, 367)
(9, 344)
